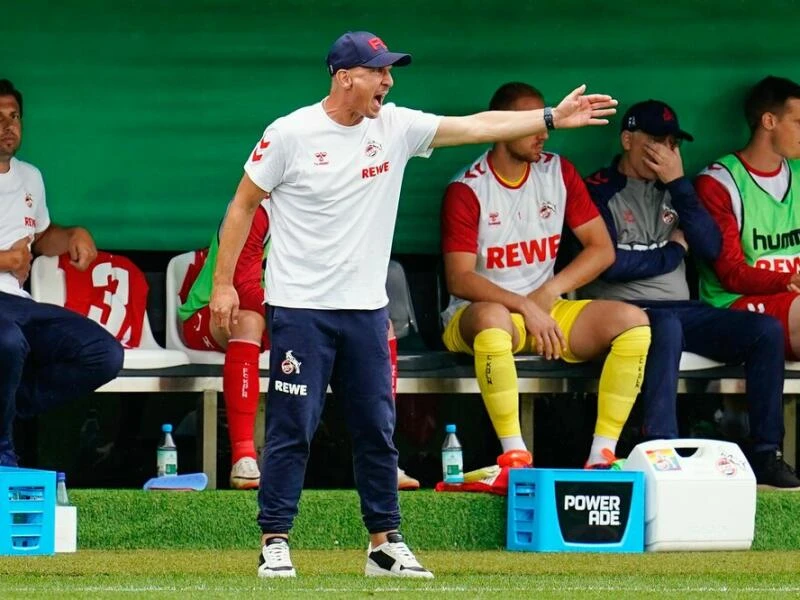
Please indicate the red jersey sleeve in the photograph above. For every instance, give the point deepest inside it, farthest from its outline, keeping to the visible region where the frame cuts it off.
(249, 268)
(460, 217)
(733, 271)
(580, 209)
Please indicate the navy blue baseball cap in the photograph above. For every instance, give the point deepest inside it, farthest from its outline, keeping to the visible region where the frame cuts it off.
(655, 118)
(362, 49)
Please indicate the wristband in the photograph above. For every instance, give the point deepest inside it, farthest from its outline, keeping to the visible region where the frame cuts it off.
(548, 117)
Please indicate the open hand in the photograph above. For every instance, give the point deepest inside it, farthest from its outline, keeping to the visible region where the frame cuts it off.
(579, 109)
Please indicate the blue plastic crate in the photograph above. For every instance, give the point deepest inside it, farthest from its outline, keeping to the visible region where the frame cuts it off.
(27, 511)
(571, 510)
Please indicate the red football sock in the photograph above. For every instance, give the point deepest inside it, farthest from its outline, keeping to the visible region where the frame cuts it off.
(240, 388)
(393, 360)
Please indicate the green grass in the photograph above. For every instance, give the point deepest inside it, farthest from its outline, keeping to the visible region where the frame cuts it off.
(129, 519)
(122, 519)
(338, 574)
(166, 545)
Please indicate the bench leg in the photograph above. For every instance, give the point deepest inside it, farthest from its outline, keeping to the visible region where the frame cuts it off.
(526, 406)
(258, 433)
(208, 436)
(790, 424)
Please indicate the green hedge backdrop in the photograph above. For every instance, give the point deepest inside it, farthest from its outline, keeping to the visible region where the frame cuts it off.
(140, 113)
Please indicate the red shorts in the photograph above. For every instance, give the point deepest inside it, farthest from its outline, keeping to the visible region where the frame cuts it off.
(775, 305)
(197, 332)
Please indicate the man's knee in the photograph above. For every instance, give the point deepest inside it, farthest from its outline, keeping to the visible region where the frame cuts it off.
(629, 316)
(769, 330)
(612, 319)
(667, 330)
(114, 357)
(13, 345)
(101, 352)
(488, 315)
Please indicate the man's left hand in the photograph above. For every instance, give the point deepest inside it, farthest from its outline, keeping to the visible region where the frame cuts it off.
(665, 161)
(81, 248)
(579, 109)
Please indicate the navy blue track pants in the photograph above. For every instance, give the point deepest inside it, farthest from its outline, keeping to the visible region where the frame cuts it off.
(347, 349)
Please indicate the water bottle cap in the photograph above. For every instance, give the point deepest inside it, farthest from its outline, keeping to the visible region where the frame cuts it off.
(61, 476)
(450, 428)
(166, 428)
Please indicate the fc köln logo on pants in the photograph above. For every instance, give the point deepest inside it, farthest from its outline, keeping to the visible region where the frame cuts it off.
(290, 364)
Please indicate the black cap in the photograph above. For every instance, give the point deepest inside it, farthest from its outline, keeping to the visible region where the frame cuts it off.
(655, 118)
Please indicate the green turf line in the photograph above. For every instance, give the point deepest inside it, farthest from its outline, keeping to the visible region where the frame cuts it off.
(123, 519)
(339, 574)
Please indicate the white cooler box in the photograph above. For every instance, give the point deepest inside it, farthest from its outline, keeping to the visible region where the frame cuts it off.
(705, 501)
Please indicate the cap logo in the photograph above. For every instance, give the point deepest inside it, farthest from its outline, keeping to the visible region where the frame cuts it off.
(632, 121)
(668, 115)
(377, 44)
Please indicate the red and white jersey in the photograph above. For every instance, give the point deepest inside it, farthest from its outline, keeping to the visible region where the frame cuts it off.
(23, 212)
(112, 292)
(334, 192)
(515, 231)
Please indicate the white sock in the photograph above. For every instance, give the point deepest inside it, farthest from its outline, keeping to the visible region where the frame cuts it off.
(599, 443)
(514, 442)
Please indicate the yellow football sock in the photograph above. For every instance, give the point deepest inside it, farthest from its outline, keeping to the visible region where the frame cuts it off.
(621, 380)
(497, 380)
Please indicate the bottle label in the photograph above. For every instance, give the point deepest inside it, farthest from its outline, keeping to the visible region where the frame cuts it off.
(167, 462)
(453, 466)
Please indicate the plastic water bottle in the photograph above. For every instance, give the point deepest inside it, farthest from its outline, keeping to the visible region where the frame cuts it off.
(62, 499)
(452, 459)
(167, 453)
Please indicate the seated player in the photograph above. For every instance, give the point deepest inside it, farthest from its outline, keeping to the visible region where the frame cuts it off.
(750, 194)
(242, 348)
(501, 226)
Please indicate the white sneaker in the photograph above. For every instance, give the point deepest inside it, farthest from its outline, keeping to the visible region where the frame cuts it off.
(274, 560)
(405, 481)
(394, 559)
(245, 474)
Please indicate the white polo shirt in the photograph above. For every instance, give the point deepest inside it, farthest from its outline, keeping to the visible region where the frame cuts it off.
(333, 205)
(23, 212)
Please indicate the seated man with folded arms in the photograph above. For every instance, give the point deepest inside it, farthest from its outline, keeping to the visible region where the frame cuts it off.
(49, 355)
(654, 218)
(502, 220)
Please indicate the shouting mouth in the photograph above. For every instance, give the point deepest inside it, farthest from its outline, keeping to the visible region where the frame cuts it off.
(377, 100)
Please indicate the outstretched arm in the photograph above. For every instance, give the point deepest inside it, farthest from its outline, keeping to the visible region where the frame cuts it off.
(576, 110)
